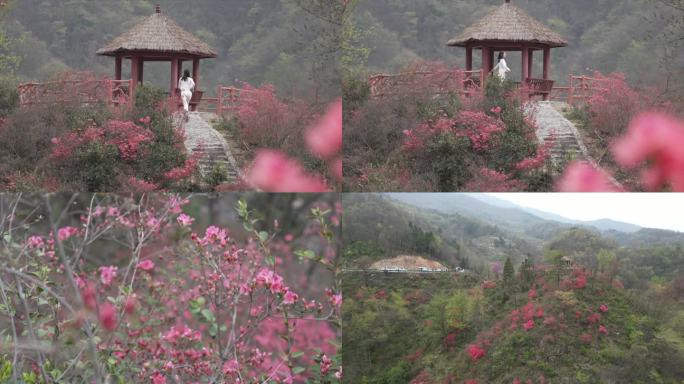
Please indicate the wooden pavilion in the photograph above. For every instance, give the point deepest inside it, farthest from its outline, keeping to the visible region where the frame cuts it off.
(158, 38)
(509, 28)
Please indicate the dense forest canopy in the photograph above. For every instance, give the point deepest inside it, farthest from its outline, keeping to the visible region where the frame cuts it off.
(291, 44)
(641, 38)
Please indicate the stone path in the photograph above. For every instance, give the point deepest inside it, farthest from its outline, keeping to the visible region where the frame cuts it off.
(552, 125)
(200, 135)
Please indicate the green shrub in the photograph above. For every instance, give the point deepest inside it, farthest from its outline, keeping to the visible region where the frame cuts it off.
(148, 101)
(445, 155)
(217, 175)
(9, 97)
(355, 92)
(94, 167)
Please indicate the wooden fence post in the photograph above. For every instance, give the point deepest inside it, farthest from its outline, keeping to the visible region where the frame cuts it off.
(219, 101)
(571, 91)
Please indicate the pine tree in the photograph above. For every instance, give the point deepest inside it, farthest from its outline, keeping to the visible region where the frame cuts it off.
(508, 279)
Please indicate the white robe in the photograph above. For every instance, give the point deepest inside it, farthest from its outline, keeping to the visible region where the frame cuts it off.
(502, 69)
(186, 88)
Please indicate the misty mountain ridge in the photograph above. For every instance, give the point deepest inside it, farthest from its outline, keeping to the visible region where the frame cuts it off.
(515, 217)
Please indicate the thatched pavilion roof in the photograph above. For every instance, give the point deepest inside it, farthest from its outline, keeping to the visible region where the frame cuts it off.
(508, 24)
(158, 34)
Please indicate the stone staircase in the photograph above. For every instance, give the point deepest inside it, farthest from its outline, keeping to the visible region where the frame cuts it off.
(217, 153)
(552, 125)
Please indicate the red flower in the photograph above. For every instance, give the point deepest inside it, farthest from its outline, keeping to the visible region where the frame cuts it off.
(146, 265)
(583, 177)
(476, 352)
(108, 316)
(659, 138)
(529, 324)
(158, 378)
(603, 308)
(586, 338)
(532, 293)
(273, 171)
(131, 302)
(603, 330)
(325, 138)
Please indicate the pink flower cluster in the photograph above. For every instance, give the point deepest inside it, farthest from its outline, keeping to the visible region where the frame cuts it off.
(273, 171)
(476, 352)
(653, 138)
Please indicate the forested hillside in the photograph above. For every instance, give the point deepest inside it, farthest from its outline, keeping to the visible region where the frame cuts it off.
(639, 37)
(290, 43)
(588, 306)
(378, 227)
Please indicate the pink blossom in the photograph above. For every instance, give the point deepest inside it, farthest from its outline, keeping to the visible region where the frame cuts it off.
(146, 120)
(146, 265)
(107, 274)
(603, 330)
(586, 338)
(583, 177)
(108, 316)
(158, 378)
(130, 304)
(532, 293)
(529, 324)
(496, 110)
(185, 220)
(603, 308)
(230, 368)
(326, 363)
(89, 295)
(273, 171)
(66, 232)
(35, 242)
(658, 138)
(325, 138)
(290, 298)
(476, 352)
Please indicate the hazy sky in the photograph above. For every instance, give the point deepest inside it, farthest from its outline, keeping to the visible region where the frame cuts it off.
(662, 210)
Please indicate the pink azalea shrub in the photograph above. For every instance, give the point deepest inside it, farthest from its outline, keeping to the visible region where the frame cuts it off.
(613, 104)
(174, 305)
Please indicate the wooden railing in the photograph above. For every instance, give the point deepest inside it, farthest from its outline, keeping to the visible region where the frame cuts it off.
(227, 99)
(439, 82)
(578, 90)
(115, 93)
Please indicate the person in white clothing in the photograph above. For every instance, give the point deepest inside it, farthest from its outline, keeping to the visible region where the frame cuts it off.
(501, 68)
(186, 85)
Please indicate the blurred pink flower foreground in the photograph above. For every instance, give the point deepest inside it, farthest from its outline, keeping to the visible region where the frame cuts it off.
(653, 138)
(274, 171)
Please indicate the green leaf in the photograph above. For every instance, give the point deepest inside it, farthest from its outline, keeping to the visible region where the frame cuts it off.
(263, 236)
(298, 370)
(208, 314)
(297, 355)
(305, 254)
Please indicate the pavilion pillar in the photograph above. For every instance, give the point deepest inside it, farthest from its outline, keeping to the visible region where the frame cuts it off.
(530, 64)
(196, 71)
(134, 75)
(525, 66)
(141, 69)
(469, 58)
(491, 60)
(485, 62)
(547, 63)
(118, 62)
(547, 66)
(175, 67)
